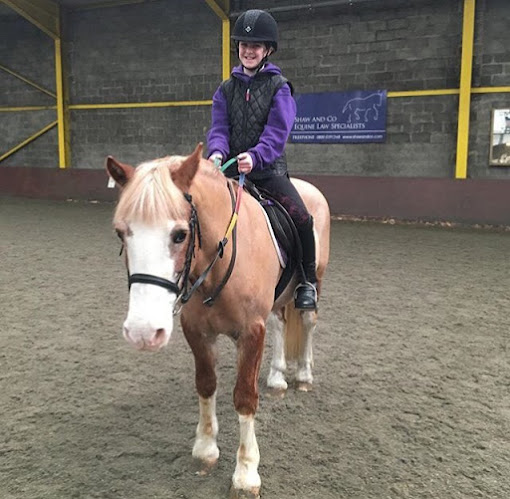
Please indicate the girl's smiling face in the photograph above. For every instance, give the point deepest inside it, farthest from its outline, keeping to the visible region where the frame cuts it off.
(251, 54)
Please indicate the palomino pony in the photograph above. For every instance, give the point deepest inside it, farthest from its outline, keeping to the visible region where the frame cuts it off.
(171, 216)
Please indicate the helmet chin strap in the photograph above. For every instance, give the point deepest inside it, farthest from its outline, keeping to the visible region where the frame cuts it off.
(261, 65)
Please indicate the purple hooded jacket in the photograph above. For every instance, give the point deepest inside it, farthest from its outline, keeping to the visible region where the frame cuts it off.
(276, 131)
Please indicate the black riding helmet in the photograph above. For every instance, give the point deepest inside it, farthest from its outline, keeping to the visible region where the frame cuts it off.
(256, 26)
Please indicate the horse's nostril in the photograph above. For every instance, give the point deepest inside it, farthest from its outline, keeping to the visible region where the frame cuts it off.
(159, 336)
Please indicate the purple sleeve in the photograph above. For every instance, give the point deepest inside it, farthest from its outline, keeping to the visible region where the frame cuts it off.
(276, 132)
(218, 135)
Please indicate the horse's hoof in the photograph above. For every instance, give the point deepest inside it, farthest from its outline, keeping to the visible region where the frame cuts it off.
(303, 386)
(203, 468)
(253, 493)
(276, 393)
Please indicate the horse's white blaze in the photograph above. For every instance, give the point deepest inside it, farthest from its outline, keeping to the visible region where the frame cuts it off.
(150, 306)
(246, 476)
(205, 447)
(276, 377)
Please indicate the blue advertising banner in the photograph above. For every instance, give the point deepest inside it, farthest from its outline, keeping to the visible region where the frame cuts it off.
(347, 117)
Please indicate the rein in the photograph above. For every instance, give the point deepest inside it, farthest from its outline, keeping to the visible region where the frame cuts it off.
(183, 292)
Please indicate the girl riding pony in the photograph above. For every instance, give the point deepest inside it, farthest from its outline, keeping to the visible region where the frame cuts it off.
(252, 116)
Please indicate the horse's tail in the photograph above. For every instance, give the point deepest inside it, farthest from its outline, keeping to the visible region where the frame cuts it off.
(294, 333)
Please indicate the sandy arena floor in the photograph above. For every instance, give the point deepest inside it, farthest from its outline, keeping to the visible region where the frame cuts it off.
(412, 372)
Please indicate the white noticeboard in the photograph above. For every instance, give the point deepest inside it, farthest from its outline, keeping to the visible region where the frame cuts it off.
(500, 138)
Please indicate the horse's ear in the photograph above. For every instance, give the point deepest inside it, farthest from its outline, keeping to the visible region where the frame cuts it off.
(183, 176)
(120, 172)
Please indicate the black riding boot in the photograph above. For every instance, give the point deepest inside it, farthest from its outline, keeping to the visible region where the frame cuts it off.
(305, 297)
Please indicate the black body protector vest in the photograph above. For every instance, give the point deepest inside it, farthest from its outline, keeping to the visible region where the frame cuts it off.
(248, 107)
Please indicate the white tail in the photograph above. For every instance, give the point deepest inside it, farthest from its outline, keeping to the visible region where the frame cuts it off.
(294, 333)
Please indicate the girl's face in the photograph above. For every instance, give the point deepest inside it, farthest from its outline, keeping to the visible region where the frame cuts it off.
(251, 54)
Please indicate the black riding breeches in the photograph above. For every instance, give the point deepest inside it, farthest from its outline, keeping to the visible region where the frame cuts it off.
(282, 189)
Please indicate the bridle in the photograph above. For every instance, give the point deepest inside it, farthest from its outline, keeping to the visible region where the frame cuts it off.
(181, 287)
(174, 287)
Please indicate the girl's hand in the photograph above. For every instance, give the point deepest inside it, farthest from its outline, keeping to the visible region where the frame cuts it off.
(244, 162)
(216, 158)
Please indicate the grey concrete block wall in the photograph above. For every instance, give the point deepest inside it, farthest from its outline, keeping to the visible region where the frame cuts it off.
(421, 143)
(162, 51)
(399, 47)
(134, 136)
(27, 51)
(491, 65)
(141, 53)
(366, 46)
(167, 50)
(128, 54)
(14, 128)
(491, 68)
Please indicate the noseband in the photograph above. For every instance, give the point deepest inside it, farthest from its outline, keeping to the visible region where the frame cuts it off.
(157, 281)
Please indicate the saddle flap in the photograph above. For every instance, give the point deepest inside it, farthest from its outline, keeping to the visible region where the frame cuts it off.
(284, 231)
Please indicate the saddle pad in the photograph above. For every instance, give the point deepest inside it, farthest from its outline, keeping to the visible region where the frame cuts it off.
(281, 256)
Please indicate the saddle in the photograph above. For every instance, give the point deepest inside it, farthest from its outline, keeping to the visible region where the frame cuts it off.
(285, 233)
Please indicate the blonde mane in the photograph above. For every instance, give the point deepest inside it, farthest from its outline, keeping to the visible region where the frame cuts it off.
(151, 195)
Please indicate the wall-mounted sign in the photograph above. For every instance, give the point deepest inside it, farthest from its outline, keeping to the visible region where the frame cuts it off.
(500, 138)
(348, 117)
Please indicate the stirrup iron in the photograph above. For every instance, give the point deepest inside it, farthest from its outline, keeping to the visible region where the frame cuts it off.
(310, 286)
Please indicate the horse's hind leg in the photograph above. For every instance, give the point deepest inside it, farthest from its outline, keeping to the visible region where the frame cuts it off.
(276, 378)
(250, 345)
(304, 375)
(299, 328)
(205, 448)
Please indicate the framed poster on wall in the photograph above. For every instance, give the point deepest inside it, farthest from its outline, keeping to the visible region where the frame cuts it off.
(500, 138)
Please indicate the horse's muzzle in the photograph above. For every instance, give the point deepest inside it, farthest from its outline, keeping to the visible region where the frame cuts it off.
(149, 339)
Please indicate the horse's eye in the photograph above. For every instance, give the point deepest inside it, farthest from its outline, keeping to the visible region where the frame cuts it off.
(179, 236)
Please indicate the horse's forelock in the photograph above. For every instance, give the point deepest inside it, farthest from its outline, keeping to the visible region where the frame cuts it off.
(151, 196)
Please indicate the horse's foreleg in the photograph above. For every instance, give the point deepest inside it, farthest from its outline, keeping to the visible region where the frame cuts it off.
(250, 346)
(304, 375)
(276, 377)
(205, 448)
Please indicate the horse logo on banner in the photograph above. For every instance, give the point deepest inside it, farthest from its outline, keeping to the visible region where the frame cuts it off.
(360, 108)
